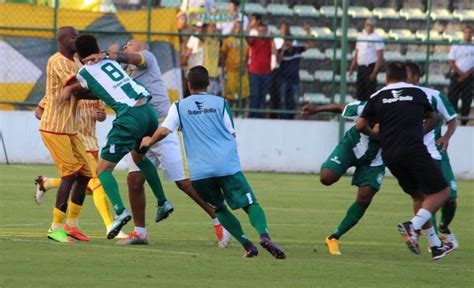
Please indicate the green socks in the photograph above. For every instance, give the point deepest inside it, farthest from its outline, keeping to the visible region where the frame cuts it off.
(257, 218)
(230, 222)
(112, 190)
(354, 214)
(151, 176)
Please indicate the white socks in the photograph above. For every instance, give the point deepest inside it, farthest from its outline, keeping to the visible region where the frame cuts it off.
(421, 217)
(215, 221)
(432, 237)
(141, 231)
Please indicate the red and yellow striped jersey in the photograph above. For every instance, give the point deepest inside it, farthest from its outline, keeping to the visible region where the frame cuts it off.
(87, 121)
(63, 118)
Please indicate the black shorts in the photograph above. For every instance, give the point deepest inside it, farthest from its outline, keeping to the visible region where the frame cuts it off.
(418, 172)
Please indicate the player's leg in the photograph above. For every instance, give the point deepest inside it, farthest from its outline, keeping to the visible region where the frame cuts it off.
(369, 180)
(210, 192)
(448, 210)
(170, 153)
(340, 159)
(43, 184)
(239, 194)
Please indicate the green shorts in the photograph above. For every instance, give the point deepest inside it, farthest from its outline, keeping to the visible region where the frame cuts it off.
(449, 177)
(127, 132)
(342, 158)
(234, 189)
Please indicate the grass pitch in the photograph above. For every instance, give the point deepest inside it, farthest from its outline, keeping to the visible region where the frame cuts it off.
(182, 252)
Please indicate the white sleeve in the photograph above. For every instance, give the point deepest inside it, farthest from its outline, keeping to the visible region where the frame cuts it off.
(172, 120)
(379, 45)
(228, 123)
(81, 80)
(452, 53)
(190, 44)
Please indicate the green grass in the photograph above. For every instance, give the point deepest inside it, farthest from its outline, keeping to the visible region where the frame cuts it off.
(182, 252)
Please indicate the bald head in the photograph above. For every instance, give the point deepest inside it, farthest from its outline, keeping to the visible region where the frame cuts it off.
(66, 36)
(135, 45)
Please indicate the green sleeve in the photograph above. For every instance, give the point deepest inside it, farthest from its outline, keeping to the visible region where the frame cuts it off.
(228, 110)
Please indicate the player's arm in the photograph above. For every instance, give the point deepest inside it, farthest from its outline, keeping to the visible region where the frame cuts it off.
(353, 63)
(309, 109)
(378, 64)
(444, 140)
(136, 59)
(171, 123)
(362, 126)
(75, 88)
(40, 108)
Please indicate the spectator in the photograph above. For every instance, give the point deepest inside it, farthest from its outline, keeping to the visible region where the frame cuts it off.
(211, 59)
(195, 47)
(461, 62)
(289, 57)
(368, 58)
(232, 65)
(234, 13)
(255, 21)
(261, 50)
(183, 27)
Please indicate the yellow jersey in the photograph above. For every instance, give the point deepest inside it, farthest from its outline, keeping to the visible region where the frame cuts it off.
(87, 123)
(63, 118)
(231, 48)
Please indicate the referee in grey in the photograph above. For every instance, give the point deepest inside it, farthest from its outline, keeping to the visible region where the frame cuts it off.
(368, 58)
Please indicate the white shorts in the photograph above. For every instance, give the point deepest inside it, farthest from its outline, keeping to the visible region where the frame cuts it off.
(169, 154)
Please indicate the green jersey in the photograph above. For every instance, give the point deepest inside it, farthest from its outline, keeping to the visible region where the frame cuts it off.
(364, 148)
(445, 110)
(110, 83)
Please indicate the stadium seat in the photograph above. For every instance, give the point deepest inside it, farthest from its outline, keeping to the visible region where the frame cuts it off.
(316, 98)
(322, 32)
(306, 11)
(328, 11)
(412, 14)
(386, 13)
(359, 12)
(324, 75)
(437, 79)
(305, 76)
(273, 30)
(297, 31)
(221, 6)
(348, 98)
(170, 3)
(464, 15)
(329, 53)
(351, 32)
(256, 8)
(455, 36)
(279, 10)
(381, 77)
(381, 33)
(313, 54)
(401, 34)
(441, 14)
(439, 57)
(416, 56)
(390, 56)
(434, 35)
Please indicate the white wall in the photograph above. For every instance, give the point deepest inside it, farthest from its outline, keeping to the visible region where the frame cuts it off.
(264, 145)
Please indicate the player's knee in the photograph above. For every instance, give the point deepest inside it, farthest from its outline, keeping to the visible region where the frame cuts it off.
(184, 186)
(327, 177)
(135, 182)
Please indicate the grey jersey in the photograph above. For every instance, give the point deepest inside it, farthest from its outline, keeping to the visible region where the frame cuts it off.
(149, 75)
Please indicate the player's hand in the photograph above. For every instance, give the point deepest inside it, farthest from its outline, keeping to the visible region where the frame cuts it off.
(100, 115)
(94, 58)
(146, 142)
(39, 112)
(373, 77)
(64, 96)
(462, 77)
(114, 48)
(307, 109)
(444, 142)
(376, 128)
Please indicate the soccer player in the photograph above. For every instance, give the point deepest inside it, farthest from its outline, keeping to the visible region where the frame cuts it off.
(58, 129)
(404, 116)
(144, 68)
(360, 151)
(437, 144)
(107, 81)
(90, 112)
(211, 150)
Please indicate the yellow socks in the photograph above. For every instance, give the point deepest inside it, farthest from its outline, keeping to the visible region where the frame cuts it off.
(100, 201)
(73, 211)
(51, 182)
(58, 219)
